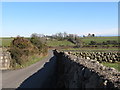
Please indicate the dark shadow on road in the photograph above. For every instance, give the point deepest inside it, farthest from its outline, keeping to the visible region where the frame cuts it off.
(44, 78)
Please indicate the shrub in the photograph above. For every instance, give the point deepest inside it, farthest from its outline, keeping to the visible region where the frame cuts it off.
(20, 49)
(37, 41)
(21, 43)
(92, 43)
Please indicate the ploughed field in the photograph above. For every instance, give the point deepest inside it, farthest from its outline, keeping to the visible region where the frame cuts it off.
(110, 59)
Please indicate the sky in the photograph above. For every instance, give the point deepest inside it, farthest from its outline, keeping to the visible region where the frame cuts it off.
(25, 18)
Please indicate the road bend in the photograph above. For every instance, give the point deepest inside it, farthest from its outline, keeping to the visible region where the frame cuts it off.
(38, 75)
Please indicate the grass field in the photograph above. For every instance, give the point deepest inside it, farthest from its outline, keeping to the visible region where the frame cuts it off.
(6, 41)
(92, 49)
(59, 43)
(114, 65)
(98, 39)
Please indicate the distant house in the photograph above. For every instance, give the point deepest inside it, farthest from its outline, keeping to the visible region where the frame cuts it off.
(4, 60)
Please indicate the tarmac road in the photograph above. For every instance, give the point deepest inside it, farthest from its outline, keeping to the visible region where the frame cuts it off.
(38, 75)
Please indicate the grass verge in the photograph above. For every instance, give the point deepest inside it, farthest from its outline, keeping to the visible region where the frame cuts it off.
(32, 60)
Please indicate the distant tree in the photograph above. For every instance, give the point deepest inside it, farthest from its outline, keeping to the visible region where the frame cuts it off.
(34, 35)
(92, 43)
(60, 36)
(65, 34)
(93, 35)
(83, 35)
(108, 41)
(71, 36)
(89, 35)
(41, 37)
(38, 42)
(104, 43)
(76, 36)
(78, 42)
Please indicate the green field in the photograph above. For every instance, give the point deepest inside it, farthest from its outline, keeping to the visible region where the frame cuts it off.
(114, 65)
(59, 43)
(92, 49)
(98, 39)
(6, 41)
(53, 43)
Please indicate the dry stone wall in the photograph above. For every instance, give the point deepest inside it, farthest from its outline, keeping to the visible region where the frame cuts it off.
(100, 56)
(4, 59)
(74, 72)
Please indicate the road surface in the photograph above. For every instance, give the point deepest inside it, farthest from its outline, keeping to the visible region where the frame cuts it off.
(38, 75)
